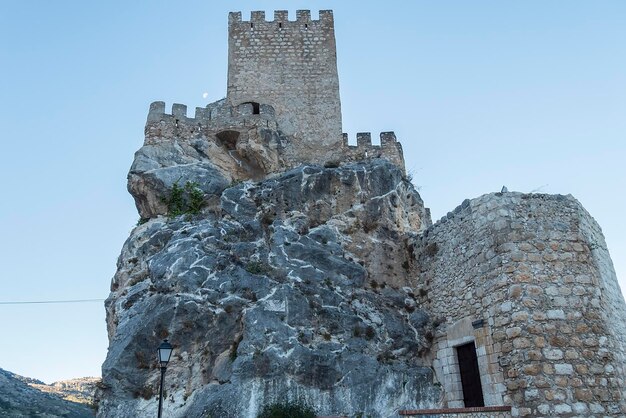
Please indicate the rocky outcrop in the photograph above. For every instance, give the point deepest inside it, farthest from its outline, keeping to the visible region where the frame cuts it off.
(293, 287)
(223, 145)
(25, 397)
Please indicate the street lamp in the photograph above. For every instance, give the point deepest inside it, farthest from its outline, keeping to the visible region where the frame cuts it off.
(165, 352)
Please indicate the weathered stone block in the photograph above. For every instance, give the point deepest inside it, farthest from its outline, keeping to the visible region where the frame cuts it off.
(563, 368)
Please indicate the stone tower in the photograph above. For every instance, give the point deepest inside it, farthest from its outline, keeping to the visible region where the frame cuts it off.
(292, 66)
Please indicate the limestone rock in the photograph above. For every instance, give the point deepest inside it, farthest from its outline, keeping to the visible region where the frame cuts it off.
(214, 153)
(157, 168)
(279, 291)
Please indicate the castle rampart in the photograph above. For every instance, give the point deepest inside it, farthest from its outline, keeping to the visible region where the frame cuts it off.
(207, 121)
(389, 148)
(219, 116)
(528, 280)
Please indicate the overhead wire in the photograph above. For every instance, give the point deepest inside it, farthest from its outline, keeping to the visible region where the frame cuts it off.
(31, 302)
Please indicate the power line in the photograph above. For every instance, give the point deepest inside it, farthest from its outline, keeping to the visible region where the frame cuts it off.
(31, 302)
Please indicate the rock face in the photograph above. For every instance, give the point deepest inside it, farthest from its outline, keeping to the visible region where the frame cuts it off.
(293, 286)
(24, 397)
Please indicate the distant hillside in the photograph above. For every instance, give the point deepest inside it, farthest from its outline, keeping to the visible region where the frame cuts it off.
(25, 397)
(80, 390)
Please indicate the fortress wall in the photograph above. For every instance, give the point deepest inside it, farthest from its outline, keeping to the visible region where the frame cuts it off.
(163, 126)
(611, 306)
(291, 65)
(219, 116)
(389, 148)
(528, 279)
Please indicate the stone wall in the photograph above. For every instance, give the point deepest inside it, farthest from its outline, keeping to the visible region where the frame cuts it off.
(502, 414)
(470, 415)
(473, 412)
(535, 269)
(389, 148)
(291, 65)
(206, 121)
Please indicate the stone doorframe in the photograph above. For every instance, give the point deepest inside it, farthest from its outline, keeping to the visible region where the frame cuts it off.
(446, 363)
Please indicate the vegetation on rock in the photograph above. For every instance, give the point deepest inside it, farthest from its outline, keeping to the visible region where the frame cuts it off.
(185, 200)
(287, 409)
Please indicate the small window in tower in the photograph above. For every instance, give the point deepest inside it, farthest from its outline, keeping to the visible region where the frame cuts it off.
(280, 25)
(306, 26)
(249, 108)
(251, 25)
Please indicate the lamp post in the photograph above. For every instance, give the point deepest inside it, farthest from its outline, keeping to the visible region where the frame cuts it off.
(165, 352)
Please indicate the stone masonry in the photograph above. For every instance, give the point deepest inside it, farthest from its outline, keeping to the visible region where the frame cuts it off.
(291, 65)
(528, 278)
(473, 412)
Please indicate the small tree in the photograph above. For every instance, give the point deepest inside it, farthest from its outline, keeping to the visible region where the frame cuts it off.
(185, 200)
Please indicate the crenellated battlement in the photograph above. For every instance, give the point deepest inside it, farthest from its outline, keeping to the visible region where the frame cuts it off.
(389, 148)
(212, 112)
(364, 139)
(281, 20)
(219, 116)
(212, 118)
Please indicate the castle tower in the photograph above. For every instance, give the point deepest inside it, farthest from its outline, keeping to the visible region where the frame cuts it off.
(291, 65)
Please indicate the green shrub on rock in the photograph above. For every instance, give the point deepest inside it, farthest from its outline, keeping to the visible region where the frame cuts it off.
(287, 410)
(186, 200)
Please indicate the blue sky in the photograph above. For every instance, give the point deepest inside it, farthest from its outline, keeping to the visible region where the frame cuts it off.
(531, 95)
